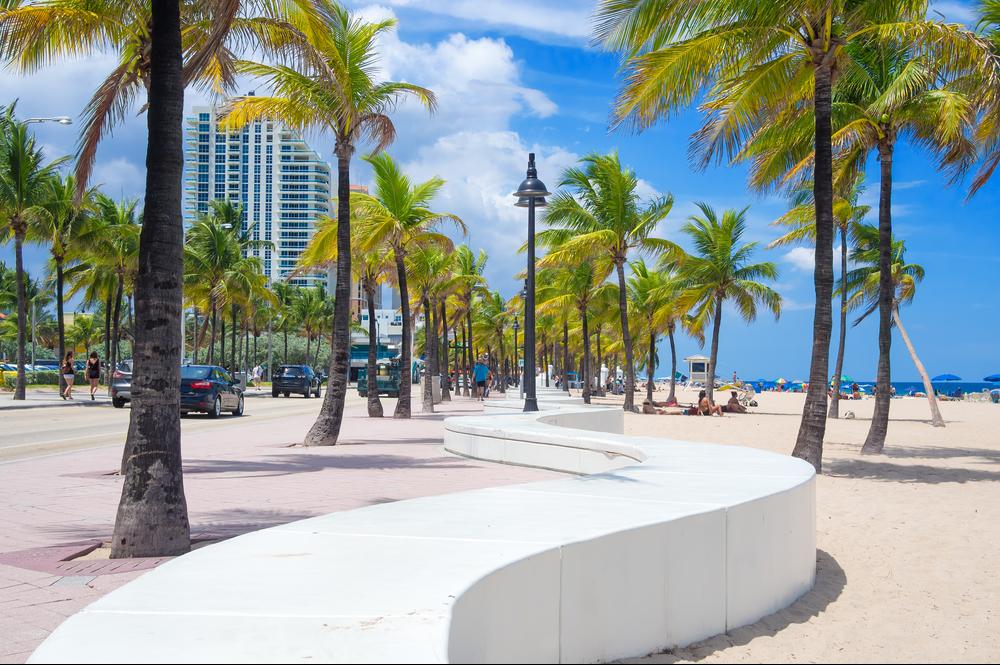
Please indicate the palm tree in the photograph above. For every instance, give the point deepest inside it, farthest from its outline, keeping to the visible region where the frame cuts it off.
(720, 270)
(800, 220)
(397, 218)
(885, 92)
(468, 272)
(863, 284)
(653, 295)
(285, 295)
(84, 333)
(752, 61)
(603, 216)
(344, 98)
(34, 34)
(312, 312)
(58, 225)
(105, 262)
(429, 270)
(24, 178)
(152, 517)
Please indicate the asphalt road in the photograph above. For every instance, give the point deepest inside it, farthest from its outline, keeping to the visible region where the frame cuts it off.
(29, 433)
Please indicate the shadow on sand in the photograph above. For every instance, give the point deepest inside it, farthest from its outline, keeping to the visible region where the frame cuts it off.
(830, 582)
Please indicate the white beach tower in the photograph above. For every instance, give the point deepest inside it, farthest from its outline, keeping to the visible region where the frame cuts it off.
(697, 368)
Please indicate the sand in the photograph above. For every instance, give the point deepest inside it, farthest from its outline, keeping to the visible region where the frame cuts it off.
(908, 542)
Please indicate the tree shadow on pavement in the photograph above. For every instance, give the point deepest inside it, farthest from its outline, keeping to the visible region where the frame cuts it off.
(282, 465)
(905, 473)
(830, 583)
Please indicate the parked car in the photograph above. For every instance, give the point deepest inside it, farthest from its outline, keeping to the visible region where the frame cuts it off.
(211, 389)
(290, 379)
(121, 384)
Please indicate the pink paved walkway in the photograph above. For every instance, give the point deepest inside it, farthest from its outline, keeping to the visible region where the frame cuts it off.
(249, 479)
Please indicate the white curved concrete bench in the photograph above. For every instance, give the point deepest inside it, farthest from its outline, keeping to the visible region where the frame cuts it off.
(680, 541)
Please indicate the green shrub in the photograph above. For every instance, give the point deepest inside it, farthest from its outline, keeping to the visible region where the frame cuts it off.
(46, 378)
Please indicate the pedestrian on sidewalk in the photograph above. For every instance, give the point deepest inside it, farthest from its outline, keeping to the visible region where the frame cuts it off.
(480, 374)
(258, 372)
(68, 374)
(93, 372)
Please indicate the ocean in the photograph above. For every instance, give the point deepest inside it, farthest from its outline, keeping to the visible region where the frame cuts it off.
(944, 387)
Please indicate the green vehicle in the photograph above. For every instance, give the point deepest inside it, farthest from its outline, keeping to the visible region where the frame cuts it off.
(386, 378)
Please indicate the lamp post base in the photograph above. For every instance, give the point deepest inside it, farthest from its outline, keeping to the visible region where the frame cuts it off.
(530, 404)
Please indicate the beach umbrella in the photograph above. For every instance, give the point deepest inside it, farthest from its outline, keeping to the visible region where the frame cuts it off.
(844, 379)
(782, 381)
(993, 378)
(947, 377)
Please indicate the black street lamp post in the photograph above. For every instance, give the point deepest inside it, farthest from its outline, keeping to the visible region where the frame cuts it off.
(531, 194)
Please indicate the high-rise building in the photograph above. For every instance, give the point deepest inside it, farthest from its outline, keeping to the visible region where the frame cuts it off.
(267, 168)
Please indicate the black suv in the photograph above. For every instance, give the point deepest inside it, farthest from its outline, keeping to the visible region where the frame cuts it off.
(290, 379)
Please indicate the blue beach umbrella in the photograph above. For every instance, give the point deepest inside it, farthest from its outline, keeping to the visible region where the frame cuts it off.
(949, 377)
(992, 378)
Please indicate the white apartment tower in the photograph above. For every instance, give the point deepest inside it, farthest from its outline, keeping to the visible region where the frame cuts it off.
(269, 170)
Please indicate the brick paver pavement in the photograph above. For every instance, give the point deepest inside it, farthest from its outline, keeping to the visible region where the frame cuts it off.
(251, 477)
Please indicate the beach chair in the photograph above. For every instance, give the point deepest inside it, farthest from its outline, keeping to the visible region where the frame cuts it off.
(747, 394)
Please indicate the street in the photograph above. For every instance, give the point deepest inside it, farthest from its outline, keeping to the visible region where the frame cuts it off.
(31, 433)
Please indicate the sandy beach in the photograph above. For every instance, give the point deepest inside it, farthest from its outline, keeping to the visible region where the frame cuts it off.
(907, 541)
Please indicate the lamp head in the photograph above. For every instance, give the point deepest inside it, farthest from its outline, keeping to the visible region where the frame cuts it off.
(531, 187)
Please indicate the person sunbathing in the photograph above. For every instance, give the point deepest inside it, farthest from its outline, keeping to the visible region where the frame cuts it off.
(734, 406)
(706, 407)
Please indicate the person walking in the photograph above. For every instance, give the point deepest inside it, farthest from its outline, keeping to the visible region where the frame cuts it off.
(480, 374)
(93, 372)
(68, 374)
(258, 373)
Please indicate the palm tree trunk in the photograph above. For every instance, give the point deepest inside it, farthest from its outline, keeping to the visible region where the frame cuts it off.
(566, 364)
(429, 344)
(374, 405)
(936, 418)
(116, 329)
(445, 391)
(842, 341)
(152, 516)
(326, 429)
(472, 352)
(809, 442)
(22, 314)
(222, 337)
(109, 369)
(211, 341)
(626, 339)
(710, 384)
(672, 397)
(60, 325)
(284, 358)
(586, 356)
(234, 333)
(875, 441)
(403, 407)
(308, 342)
(650, 367)
(467, 360)
(600, 360)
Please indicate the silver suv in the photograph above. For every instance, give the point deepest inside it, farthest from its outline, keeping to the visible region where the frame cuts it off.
(121, 384)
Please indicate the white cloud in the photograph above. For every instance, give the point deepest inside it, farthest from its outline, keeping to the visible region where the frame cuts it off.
(479, 186)
(567, 18)
(801, 258)
(119, 177)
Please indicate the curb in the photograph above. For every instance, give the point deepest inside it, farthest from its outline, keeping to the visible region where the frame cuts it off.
(29, 405)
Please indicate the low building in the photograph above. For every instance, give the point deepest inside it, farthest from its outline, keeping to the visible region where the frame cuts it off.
(698, 368)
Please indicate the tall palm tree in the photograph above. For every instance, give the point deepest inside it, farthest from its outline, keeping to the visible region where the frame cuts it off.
(105, 260)
(864, 283)
(800, 220)
(397, 218)
(602, 215)
(38, 33)
(312, 312)
(653, 295)
(468, 272)
(24, 184)
(429, 269)
(343, 97)
(751, 62)
(720, 269)
(370, 267)
(58, 225)
(886, 92)
(152, 517)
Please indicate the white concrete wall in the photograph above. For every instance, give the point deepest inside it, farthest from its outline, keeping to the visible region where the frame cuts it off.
(667, 543)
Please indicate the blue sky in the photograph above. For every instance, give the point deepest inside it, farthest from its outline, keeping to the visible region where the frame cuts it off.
(518, 76)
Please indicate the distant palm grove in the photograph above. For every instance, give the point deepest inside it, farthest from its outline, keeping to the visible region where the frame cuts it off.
(804, 92)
